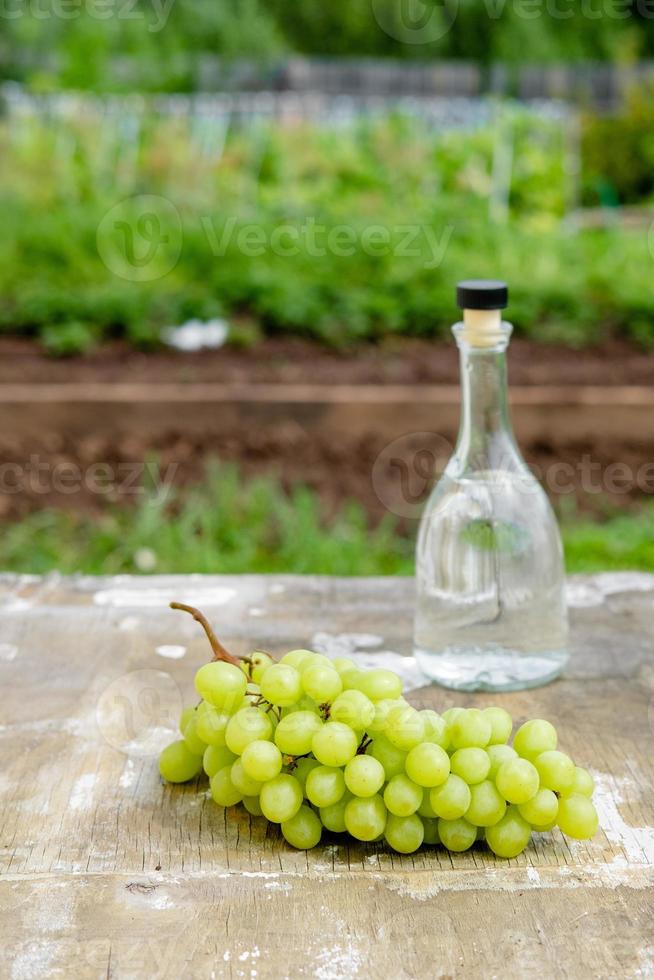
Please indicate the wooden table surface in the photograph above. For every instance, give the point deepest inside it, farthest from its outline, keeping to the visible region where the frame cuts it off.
(108, 872)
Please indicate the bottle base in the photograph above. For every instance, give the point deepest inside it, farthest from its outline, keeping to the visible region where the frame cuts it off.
(471, 669)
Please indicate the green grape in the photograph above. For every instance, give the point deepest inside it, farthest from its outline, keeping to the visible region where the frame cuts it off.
(577, 817)
(343, 664)
(402, 796)
(501, 724)
(302, 769)
(556, 770)
(260, 662)
(365, 818)
(469, 729)
(185, 716)
(456, 835)
(295, 658)
(252, 696)
(510, 836)
(195, 744)
(244, 783)
(380, 716)
(304, 704)
(303, 830)
(335, 744)
(247, 725)
(487, 807)
(534, 737)
(451, 800)
(435, 728)
(281, 685)
(428, 764)
(497, 755)
(325, 785)
(177, 764)
(582, 785)
(252, 805)
(392, 759)
(351, 678)
(280, 798)
(543, 828)
(216, 757)
(364, 775)
(471, 764)
(541, 809)
(294, 734)
(261, 760)
(426, 809)
(404, 834)
(333, 817)
(322, 684)
(430, 825)
(223, 790)
(517, 780)
(316, 660)
(221, 684)
(380, 685)
(211, 724)
(450, 714)
(354, 709)
(404, 727)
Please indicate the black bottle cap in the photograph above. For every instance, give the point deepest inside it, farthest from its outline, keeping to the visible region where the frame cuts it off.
(482, 294)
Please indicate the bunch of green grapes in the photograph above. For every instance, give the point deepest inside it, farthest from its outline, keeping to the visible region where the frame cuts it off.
(312, 743)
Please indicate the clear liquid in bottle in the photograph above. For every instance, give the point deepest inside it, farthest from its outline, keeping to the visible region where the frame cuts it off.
(490, 580)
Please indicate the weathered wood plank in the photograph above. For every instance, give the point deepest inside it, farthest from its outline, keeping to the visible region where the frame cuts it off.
(107, 871)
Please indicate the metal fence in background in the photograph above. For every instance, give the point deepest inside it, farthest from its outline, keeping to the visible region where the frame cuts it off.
(598, 85)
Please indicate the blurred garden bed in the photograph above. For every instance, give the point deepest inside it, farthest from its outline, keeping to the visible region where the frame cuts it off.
(120, 221)
(294, 360)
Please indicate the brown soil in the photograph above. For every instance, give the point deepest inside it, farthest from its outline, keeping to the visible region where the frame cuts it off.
(279, 360)
(338, 469)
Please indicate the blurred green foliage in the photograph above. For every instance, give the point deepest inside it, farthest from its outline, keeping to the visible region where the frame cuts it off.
(228, 525)
(338, 233)
(618, 151)
(156, 44)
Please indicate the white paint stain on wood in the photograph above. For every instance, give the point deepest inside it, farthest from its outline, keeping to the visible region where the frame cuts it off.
(593, 592)
(170, 651)
(81, 797)
(162, 597)
(610, 792)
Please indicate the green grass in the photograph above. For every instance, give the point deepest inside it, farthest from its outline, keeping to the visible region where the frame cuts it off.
(230, 525)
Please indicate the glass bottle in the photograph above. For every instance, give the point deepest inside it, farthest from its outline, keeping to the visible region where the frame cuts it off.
(490, 579)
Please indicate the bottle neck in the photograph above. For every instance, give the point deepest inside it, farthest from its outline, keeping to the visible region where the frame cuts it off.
(486, 438)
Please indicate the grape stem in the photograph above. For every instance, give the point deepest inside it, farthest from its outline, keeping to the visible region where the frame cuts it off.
(219, 651)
